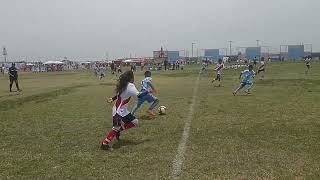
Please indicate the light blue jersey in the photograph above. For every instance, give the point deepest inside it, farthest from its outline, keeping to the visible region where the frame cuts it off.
(145, 84)
(246, 75)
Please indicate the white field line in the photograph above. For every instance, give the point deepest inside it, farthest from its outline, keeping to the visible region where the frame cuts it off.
(179, 159)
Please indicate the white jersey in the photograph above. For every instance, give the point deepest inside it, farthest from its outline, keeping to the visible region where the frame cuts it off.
(219, 68)
(121, 105)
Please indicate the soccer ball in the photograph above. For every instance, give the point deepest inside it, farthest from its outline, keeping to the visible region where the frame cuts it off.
(162, 110)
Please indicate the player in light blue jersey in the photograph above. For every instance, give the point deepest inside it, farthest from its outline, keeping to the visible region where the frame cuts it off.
(146, 86)
(246, 82)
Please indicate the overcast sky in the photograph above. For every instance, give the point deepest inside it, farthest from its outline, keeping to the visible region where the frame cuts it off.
(87, 29)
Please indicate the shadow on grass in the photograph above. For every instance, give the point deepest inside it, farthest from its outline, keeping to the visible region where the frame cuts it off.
(124, 143)
(13, 93)
(146, 117)
(107, 84)
(245, 95)
(37, 98)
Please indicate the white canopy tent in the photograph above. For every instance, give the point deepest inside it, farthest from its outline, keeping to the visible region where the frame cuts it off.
(53, 62)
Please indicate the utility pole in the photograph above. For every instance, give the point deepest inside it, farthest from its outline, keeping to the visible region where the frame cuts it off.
(230, 47)
(4, 53)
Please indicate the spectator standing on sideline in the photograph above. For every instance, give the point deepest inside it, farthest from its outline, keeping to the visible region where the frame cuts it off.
(13, 76)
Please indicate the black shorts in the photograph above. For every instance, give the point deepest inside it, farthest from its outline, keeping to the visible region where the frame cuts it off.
(118, 120)
(12, 79)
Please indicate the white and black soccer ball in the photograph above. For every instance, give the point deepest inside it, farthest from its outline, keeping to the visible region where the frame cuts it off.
(162, 110)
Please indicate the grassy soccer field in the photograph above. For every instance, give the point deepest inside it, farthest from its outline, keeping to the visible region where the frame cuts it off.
(53, 129)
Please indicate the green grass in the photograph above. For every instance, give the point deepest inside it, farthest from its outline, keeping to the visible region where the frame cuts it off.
(53, 129)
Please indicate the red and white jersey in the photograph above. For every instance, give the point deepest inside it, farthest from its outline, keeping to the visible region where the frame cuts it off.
(219, 68)
(121, 105)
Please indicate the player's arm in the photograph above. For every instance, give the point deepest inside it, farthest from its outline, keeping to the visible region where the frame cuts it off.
(219, 68)
(110, 100)
(240, 75)
(261, 67)
(152, 87)
(134, 92)
(10, 74)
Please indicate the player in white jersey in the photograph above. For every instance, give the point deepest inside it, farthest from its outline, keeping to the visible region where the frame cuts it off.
(307, 60)
(122, 118)
(218, 69)
(146, 86)
(262, 68)
(246, 82)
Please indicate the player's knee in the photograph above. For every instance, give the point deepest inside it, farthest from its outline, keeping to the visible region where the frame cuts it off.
(116, 128)
(135, 122)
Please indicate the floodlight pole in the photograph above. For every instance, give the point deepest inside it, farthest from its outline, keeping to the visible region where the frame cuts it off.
(4, 53)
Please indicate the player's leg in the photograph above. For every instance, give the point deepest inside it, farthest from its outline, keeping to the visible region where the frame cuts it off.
(219, 79)
(307, 69)
(154, 103)
(262, 73)
(112, 133)
(17, 84)
(242, 85)
(214, 79)
(248, 87)
(135, 108)
(10, 85)
(121, 124)
(129, 121)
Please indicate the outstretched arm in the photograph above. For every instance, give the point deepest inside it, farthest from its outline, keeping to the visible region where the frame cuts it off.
(219, 68)
(110, 100)
(152, 87)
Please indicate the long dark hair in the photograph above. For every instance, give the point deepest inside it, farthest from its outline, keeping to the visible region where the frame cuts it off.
(124, 79)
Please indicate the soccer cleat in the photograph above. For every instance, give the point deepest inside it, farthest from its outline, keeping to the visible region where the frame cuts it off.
(234, 93)
(151, 113)
(106, 147)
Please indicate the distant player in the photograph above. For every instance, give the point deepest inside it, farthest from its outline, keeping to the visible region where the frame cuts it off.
(95, 70)
(146, 86)
(246, 82)
(13, 77)
(122, 118)
(307, 60)
(102, 71)
(113, 67)
(204, 68)
(218, 69)
(255, 61)
(262, 68)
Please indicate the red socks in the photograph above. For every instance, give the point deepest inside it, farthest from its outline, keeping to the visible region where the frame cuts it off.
(112, 133)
